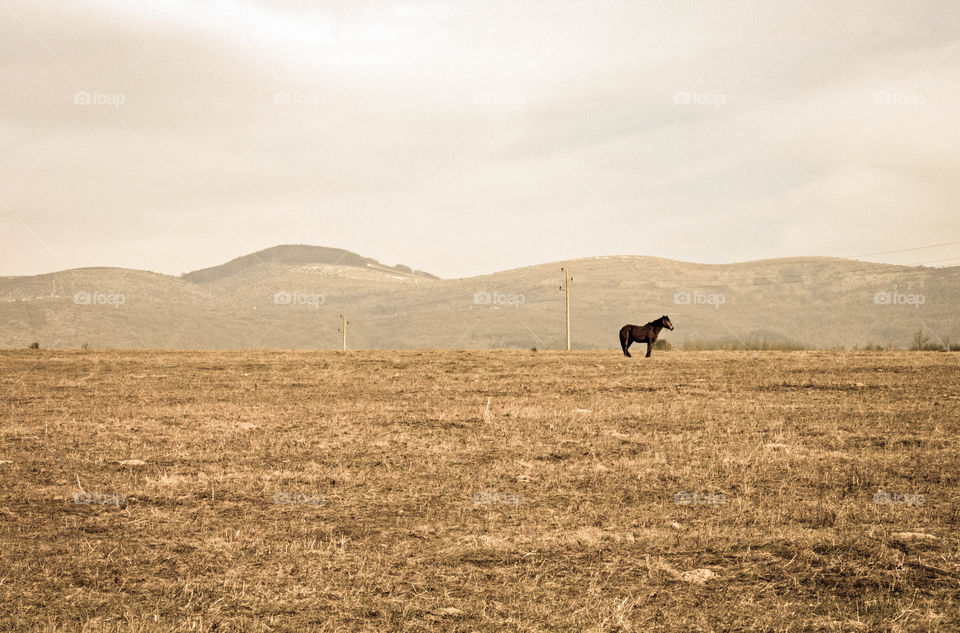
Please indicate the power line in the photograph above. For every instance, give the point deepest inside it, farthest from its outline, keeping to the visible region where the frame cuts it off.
(903, 250)
(934, 261)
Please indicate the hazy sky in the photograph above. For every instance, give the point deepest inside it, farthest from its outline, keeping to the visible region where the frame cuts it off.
(470, 137)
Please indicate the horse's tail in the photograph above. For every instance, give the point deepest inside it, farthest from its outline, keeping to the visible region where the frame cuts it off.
(624, 337)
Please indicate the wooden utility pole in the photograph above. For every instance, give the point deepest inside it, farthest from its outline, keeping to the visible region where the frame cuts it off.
(565, 288)
(343, 330)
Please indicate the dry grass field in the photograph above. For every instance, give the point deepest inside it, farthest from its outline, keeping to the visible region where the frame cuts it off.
(479, 491)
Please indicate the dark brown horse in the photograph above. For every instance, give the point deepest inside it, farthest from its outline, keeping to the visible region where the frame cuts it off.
(643, 333)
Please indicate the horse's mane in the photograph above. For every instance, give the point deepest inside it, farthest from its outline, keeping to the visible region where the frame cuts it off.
(658, 321)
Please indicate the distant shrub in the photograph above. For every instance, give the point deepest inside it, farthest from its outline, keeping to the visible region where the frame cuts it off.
(744, 345)
(533, 349)
(948, 346)
(85, 345)
(662, 345)
(34, 345)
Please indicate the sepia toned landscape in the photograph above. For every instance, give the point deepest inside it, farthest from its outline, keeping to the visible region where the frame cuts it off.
(316, 317)
(479, 491)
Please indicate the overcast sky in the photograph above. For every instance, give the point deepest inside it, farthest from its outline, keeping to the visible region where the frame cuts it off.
(465, 138)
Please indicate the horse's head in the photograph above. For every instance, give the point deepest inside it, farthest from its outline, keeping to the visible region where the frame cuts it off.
(665, 320)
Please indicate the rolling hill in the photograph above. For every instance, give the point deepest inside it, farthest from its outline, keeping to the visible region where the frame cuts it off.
(294, 254)
(292, 296)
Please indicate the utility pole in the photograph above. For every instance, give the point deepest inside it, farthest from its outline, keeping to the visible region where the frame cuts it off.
(343, 330)
(565, 288)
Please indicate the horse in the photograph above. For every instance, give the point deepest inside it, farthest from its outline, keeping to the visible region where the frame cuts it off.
(643, 334)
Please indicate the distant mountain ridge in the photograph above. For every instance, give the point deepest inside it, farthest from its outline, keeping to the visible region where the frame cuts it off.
(291, 297)
(293, 254)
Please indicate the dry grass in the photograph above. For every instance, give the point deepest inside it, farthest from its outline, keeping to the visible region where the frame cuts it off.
(582, 455)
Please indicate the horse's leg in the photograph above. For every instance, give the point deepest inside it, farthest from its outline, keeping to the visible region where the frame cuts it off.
(649, 348)
(625, 341)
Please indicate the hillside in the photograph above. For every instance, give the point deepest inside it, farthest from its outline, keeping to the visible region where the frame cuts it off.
(294, 254)
(291, 297)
